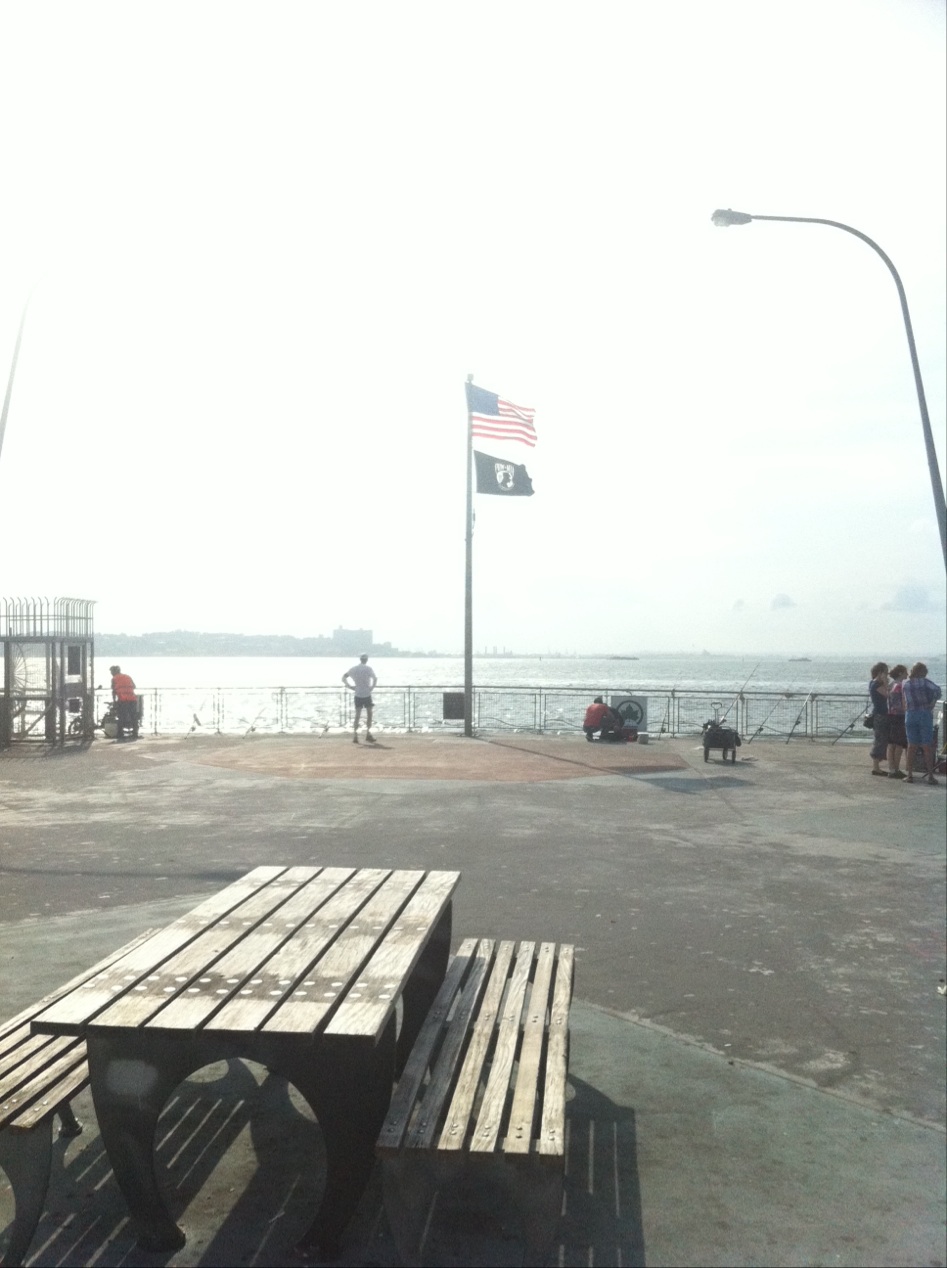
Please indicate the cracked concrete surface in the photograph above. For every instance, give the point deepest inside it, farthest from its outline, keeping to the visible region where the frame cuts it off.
(784, 914)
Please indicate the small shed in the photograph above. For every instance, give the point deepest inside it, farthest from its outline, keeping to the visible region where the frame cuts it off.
(47, 692)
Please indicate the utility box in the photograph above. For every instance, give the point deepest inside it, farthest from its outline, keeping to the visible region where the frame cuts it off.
(453, 706)
(633, 710)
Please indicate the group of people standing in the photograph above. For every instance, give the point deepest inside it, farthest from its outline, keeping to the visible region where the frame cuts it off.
(902, 703)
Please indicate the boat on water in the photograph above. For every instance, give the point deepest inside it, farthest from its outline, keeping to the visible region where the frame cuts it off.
(622, 657)
(799, 658)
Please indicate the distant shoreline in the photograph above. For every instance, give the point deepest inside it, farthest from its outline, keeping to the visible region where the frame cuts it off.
(189, 643)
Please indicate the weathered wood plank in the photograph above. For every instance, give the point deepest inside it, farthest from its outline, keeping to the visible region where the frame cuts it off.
(523, 1112)
(521, 1021)
(253, 1004)
(412, 1077)
(13, 1038)
(40, 1054)
(14, 1025)
(139, 1000)
(250, 959)
(43, 1081)
(426, 1124)
(66, 1086)
(25, 1051)
(551, 1134)
(373, 996)
(71, 1013)
(493, 1105)
(457, 1123)
(325, 984)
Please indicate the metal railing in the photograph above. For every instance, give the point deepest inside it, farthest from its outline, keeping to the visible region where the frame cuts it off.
(541, 710)
(36, 617)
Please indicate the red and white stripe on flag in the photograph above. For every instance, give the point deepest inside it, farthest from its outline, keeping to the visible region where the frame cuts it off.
(511, 422)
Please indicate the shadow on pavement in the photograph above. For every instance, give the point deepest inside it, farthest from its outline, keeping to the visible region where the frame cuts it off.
(241, 1162)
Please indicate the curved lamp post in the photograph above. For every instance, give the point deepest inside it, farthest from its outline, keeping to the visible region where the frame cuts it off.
(725, 217)
(9, 392)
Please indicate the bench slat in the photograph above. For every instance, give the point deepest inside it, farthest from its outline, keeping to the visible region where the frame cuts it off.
(457, 1124)
(427, 1121)
(551, 1137)
(493, 1105)
(12, 1039)
(422, 1054)
(43, 1081)
(70, 1014)
(29, 1056)
(373, 996)
(67, 1086)
(33, 1077)
(519, 1132)
(496, 1046)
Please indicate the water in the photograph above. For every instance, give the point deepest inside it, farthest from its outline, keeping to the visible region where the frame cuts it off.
(717, 674)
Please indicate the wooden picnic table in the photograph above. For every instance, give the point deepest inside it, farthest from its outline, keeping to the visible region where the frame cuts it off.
(297, 968)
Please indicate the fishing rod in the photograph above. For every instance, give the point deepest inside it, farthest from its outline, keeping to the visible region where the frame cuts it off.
(197, 722)
(739, 694)
(859, 714)
(786, 695)
(801, 712)
(666, 724)
(252, 726)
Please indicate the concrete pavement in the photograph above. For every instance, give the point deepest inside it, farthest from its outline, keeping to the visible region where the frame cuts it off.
(758, 1039)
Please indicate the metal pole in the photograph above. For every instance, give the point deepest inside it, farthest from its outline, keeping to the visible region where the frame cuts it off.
(940, 505)
(468, 585)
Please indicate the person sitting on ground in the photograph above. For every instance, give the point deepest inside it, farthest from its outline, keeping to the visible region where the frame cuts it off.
(599, 717)
(920, 697)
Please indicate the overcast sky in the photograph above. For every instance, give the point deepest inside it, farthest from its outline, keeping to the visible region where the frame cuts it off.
(266, 243)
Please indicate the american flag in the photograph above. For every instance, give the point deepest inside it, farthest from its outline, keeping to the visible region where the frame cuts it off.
(496, 419)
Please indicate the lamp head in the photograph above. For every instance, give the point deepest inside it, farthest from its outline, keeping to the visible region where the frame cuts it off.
(724, 217)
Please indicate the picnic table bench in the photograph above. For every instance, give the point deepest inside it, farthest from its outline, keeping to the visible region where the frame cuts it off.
(39, 1074)
(298, 968)
(483, 1093)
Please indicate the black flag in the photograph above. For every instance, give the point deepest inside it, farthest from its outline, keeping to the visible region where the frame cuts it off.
(506, 479)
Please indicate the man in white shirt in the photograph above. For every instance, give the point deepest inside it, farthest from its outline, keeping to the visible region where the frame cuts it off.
(362, 681)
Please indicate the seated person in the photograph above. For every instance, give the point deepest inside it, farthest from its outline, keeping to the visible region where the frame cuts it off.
(599, 717)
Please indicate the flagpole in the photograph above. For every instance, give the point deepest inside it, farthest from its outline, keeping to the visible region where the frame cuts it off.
(468, 586)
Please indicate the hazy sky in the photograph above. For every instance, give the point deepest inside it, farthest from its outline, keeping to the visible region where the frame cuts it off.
(266, 243)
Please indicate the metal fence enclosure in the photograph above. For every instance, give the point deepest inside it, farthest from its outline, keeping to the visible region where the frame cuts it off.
(540, 710)
(47, 656)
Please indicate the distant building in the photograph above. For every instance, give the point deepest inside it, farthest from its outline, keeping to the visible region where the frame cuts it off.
(352, 641)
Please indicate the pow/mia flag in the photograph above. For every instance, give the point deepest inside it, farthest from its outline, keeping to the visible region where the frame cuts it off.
(506, 479)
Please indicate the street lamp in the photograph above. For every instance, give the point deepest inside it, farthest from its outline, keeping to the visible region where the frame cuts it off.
(5, 409)
(723, 217)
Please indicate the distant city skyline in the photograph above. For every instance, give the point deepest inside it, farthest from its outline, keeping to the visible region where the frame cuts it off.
(173, 642)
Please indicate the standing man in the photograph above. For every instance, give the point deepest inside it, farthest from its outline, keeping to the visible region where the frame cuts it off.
(126, 703)
(362, 681)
